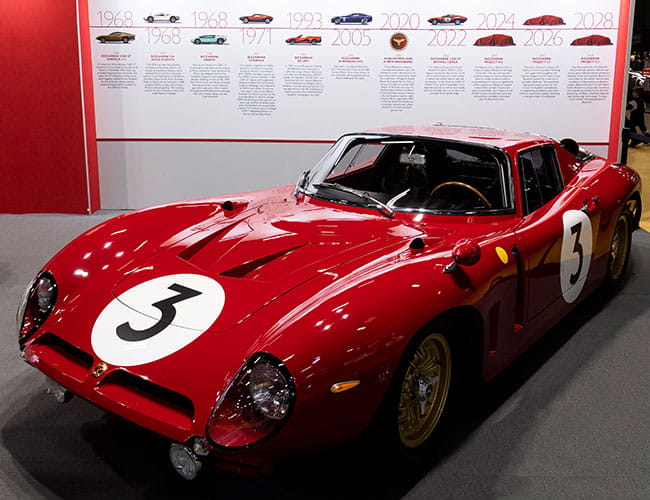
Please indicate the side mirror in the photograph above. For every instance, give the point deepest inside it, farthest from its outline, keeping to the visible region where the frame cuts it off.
(465, 253)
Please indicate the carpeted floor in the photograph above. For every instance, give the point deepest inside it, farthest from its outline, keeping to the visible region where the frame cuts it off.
(571, 419)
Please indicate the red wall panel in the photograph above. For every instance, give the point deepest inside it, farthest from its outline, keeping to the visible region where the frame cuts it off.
(46, 165)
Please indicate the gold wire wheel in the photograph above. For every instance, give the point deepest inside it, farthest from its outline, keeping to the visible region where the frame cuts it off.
(619, 248)
(424, 390)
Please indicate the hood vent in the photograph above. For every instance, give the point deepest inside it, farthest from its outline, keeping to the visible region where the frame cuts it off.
(247, 268)
(192, 250)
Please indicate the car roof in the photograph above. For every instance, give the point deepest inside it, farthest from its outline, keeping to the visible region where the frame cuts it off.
(504, 139)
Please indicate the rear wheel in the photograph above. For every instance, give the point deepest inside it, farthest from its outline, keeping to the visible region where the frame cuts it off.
(619, 251)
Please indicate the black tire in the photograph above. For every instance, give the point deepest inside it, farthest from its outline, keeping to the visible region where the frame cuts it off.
(220, 41)
(267, 20)
(364, 21)
(125, 40)
(337, 21)
(457, 22)
(150, 19)
(196, 41)
(434, 22)
(245, 20)
(173, 19)
(314, 42)
(102, 40)
(619, 252)
(292, 42)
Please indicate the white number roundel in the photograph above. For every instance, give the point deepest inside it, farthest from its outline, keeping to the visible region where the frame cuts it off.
(576, 253)
(156, 318)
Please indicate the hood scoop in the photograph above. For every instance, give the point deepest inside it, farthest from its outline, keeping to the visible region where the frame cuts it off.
(245, 270)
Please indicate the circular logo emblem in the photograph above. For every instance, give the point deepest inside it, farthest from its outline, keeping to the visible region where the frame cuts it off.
(156, 318)
(576, 253)
(399, 41)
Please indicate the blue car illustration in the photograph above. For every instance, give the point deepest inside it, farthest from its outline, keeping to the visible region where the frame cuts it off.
(356, 18)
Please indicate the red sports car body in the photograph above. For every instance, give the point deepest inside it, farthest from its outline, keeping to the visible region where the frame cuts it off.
(277, 322)
(304, 39)
(592, 40)
(447, 19)
(495, 40)
(544, 21)
(256, 18)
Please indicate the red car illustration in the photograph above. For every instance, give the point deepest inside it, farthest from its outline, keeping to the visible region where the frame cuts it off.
(544, 21)
(313, 40)
(248, 327)
(256, 18)
(592, 40)
(495, 40)
(448, 19)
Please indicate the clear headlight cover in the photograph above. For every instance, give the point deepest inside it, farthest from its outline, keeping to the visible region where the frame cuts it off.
(36, 305)
(256, 403)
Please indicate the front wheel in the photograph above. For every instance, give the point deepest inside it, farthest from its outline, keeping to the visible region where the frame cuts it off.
(220, 41)
(619, 252)
(173, 19)
(125, 40)
(424, 390)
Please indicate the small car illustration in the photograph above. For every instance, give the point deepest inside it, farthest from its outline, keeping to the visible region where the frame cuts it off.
(357, 18)
(448, 19)
(592, 40)
(218, 39)
(313, 40)
(162, 17)
(116, 36)
(406, 265)
(544, 21)
(495, 40)
(256, 18)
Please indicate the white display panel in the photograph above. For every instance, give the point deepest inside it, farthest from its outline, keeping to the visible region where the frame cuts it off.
(255, 85)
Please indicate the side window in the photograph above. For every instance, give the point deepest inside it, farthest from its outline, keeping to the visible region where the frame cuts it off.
(540, 177)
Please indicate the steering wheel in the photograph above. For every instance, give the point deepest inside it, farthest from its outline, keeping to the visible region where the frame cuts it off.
(463, 185)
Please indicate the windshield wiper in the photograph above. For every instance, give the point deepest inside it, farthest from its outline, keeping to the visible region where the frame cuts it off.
(300, 184)
(382, 207)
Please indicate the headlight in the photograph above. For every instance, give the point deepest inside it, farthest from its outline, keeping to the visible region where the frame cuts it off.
(37, 303)
(256, 403)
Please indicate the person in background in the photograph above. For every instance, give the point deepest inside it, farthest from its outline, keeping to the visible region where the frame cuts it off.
(635, 116)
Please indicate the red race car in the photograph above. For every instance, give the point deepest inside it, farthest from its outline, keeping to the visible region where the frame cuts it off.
(447, 19)
(313, 40)
(495, 40)
(406, 262)
(592, 40)
(544, 21)
(256, 18)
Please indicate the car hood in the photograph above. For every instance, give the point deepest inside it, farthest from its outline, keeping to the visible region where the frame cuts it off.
(265, 252)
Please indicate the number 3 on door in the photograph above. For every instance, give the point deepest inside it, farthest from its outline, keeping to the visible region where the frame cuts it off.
(576, 253)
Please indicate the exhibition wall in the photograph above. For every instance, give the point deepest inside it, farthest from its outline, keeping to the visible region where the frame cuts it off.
(195, 99)
(48, 160)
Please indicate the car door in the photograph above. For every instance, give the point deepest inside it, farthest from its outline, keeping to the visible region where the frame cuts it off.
(555, 240)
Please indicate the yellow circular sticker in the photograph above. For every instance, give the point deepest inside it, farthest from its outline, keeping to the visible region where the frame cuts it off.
(503, 255)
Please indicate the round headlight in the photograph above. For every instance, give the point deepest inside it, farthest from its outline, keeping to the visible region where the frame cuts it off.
(257, 403)
(36, 304)
(270, 391)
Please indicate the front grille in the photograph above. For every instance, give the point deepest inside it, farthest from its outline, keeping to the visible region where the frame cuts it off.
(148, 398)
(63, 356)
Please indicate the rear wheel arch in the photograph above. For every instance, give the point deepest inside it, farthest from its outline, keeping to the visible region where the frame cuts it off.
(635, 208)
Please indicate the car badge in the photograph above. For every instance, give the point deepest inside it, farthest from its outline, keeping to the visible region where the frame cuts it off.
(398, 41)
(99, 370)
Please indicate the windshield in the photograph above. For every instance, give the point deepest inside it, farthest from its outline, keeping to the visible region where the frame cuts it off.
(413, 174)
